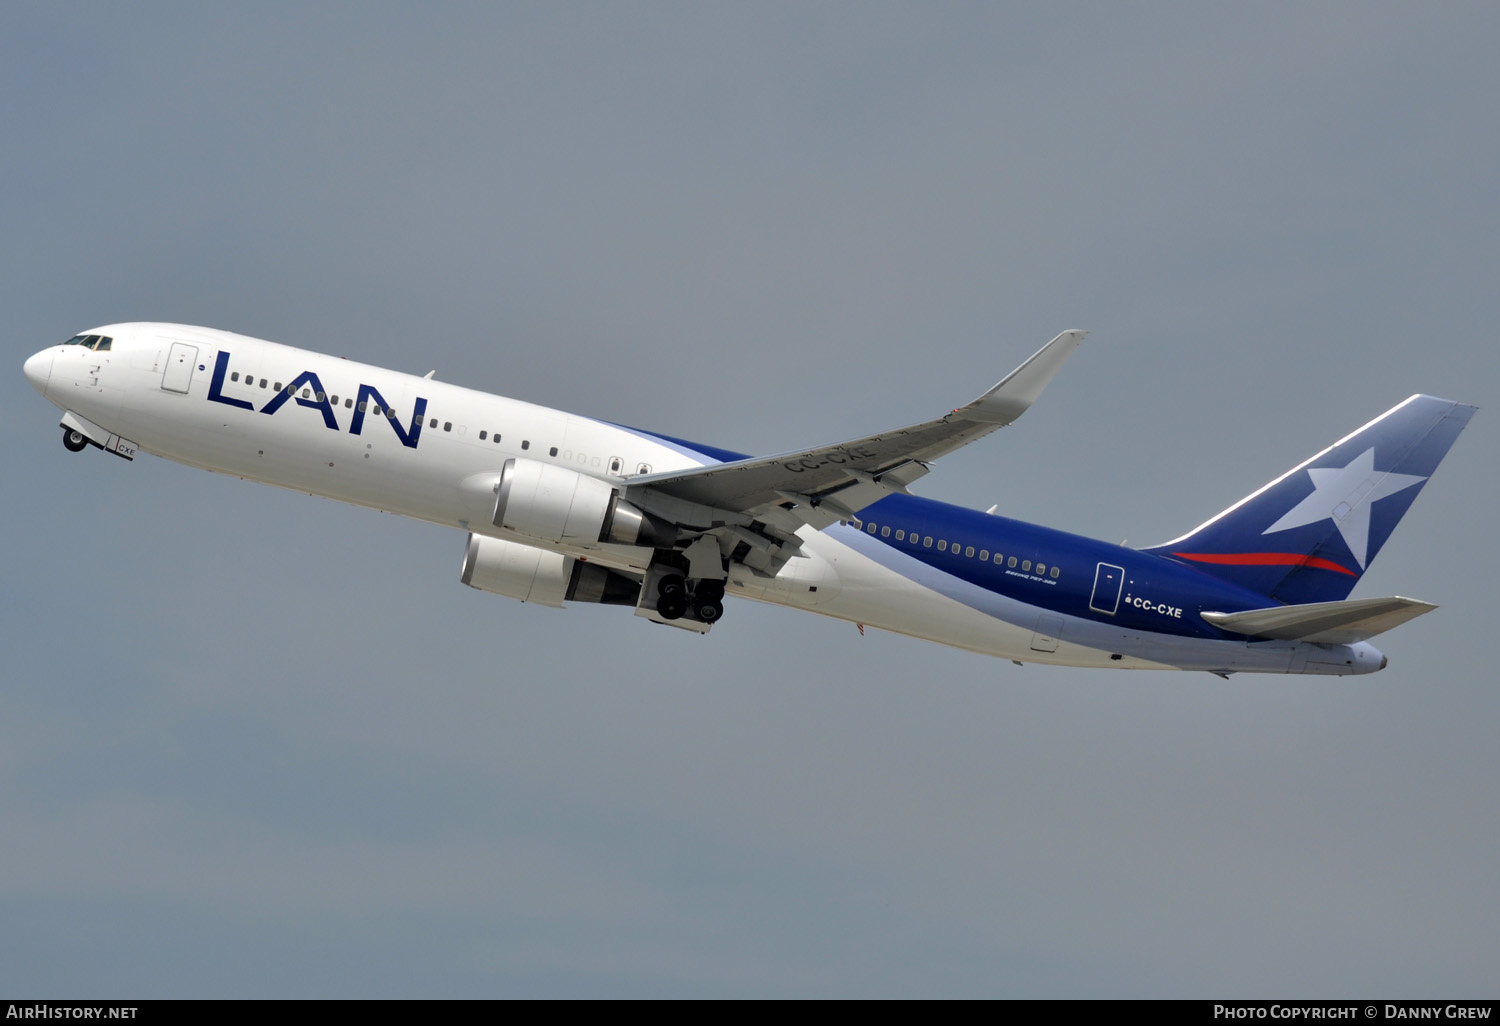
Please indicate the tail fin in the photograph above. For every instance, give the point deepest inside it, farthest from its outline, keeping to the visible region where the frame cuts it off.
(1309, 535)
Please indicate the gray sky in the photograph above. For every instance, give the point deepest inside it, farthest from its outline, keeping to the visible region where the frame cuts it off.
(258, 744)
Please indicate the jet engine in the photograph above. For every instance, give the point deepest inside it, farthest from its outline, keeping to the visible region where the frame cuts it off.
(534, 575)
(557, 505)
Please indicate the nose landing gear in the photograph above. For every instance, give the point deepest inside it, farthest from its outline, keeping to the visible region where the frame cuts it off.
(79, 434)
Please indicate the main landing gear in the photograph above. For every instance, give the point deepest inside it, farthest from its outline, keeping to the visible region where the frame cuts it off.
(676, 595)
(74, 441)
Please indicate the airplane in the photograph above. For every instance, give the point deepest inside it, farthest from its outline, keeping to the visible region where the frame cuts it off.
(562, 508)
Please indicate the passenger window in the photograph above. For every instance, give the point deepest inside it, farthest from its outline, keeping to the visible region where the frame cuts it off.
(969, 552)
(235, 376)
(870, 528)
(447, 425)
(984, 554)
(885, 532)
(1054, 572)
(278, 386)
(552, 451)
(927, 542)
(307, 393)
(1041, 569)
(262, 382)
(942, 544)
(483, 435)
(1012, 563)
(614, 464)
(526, 443)
(362, 406)
(390, 414)
(432, 423)
(497, 439)
(333, 399)
(999, 559)
(900, 535)
(347, 402)
(1026, 565)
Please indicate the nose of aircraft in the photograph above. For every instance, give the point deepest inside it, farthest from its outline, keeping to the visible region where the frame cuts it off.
(39, 370)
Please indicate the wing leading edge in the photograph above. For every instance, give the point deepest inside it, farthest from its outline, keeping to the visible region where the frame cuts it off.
(833, 482)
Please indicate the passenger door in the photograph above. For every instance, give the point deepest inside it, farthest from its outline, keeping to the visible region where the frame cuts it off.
(180, 363)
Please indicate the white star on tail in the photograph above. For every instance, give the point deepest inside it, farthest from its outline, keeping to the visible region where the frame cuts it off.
(1345, 494)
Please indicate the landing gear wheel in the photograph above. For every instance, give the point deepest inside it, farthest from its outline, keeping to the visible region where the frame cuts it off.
(74, 441)
(708, 600)
(672, 585)
(671, 607)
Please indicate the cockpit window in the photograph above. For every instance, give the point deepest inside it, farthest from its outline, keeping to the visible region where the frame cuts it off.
(99, 342)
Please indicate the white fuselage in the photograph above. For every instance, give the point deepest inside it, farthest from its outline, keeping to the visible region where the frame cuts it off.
(218, 400)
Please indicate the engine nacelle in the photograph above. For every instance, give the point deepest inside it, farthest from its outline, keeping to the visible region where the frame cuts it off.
(561, 506)
(534, 575)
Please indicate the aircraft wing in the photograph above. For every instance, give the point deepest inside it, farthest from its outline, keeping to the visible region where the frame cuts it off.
(823, 485)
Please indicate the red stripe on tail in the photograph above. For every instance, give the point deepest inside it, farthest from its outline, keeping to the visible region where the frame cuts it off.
(1264, 559)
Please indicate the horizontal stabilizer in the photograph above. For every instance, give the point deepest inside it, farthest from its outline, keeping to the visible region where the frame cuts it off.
(1327, 623)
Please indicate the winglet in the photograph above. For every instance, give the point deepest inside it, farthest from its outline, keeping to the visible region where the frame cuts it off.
(1021, 387)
